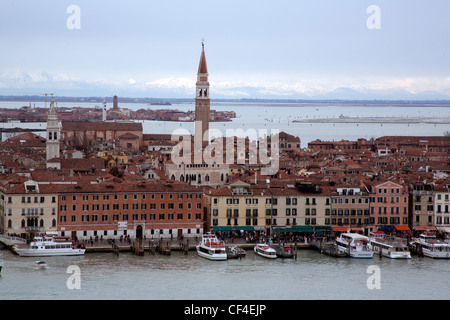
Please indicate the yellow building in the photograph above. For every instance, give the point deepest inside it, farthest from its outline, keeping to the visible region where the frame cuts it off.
(113, 158)
(237, 207)
(28, 208)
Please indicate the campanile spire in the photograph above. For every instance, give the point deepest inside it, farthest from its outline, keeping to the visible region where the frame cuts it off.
(202, 102)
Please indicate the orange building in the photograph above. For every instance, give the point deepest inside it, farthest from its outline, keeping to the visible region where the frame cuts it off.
(389, 204)
(140, 209)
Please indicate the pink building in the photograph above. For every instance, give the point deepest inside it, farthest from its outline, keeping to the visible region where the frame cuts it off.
(389, 204)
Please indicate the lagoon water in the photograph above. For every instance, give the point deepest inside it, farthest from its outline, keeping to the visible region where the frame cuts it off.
(312, 276)
(279, 116)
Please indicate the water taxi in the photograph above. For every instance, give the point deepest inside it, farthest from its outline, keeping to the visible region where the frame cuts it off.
(50, 246)
(394, 248)
(264, 250)
(211, 248)
(354, 245)
(235, 252)
(284, 252)
(432, 247)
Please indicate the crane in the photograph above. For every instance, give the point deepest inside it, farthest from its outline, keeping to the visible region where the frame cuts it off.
(43, 94)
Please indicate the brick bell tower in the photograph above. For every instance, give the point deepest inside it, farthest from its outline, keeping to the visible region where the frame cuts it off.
(202, 103)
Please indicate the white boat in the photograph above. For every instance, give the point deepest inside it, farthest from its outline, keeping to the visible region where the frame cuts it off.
(41, 264)
(235, 252)
(211, 248)
(432, 247)
(391, 247)
(354, 245)
(50, 246)
(264, 250)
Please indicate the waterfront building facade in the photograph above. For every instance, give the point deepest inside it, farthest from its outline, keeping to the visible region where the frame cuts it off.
(389, 204)
(28, 208)
(421, 205)
(442, 206)
(265, 207)
(350, 208)
(236, 207)
(139, 209)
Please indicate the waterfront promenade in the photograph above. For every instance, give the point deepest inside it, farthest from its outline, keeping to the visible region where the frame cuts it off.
(172, 244)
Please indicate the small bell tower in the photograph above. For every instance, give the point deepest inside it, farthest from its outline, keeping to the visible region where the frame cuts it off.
(52, 141)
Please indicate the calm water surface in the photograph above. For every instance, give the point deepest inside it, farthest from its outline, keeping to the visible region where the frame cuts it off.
(268, 116)
(311, 276)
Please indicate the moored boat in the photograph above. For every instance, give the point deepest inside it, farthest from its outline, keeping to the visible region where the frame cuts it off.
(354, 245)
(211, 248)
(394, 248)
(235, 252)
(51, 246)
(328, 247)
(264, 250)
(432, 247)
(284, 252)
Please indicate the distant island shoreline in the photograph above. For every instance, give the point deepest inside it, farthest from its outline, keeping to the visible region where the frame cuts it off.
(246, 101)
(404, 120)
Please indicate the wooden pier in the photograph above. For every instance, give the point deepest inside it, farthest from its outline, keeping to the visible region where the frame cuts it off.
(164, 247)
(138, 247)
(327, 247)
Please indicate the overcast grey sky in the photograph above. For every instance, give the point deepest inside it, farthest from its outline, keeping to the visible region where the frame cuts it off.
(258, 49)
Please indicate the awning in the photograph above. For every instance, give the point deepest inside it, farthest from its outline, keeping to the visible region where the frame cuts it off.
(233, 228)
(340, 228)
(424, 228)
(321, 228)
(402, 228)
(221, 228)
(243, 228)
(387, 228)
(294, 229)
(302, 229)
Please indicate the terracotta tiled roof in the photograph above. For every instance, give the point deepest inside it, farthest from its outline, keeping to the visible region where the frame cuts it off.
(202, 65)
(99, 126)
